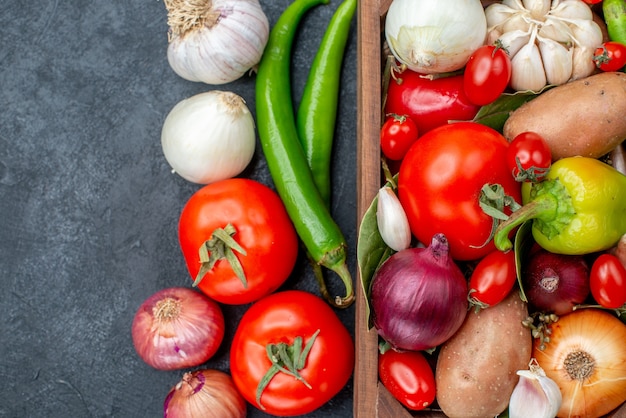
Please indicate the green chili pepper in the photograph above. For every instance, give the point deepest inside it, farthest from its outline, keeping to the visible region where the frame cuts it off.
(579, 208)
(285, 157)
(317, 113)
(614, 12)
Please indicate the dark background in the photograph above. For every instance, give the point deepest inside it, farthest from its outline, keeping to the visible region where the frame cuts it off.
(89, 208)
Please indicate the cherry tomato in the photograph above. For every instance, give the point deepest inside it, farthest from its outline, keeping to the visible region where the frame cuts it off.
(608, 281)
(493, 278)
(429, 102)
(529, 157)
(592, 1)
(397, 135)
(260, 225)
(487, 74)
(280, 320)
(440, 184)
(408, 377)
(611, 56)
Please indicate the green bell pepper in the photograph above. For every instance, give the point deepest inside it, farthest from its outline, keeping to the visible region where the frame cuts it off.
(579, 208)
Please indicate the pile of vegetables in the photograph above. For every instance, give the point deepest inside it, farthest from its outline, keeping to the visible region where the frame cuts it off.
(492, 258)
(240, 238)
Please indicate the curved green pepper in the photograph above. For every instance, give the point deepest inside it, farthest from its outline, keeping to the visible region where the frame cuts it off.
(579, 208)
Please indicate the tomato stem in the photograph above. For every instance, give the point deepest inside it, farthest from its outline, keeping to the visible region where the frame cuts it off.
(220, 246)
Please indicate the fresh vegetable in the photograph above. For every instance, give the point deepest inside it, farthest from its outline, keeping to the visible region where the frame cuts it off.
(392, 222)
(215, 42)
(529, 157)
(535, 395)
(548, 42)
(237, 239)
(592, 1)
(608, 281)
(585, 357)
(555, 283)
(487, 74)
(317, 112)
(556, 115)
(407, 375)
(428, 102)
(285, 157)
(419, 297)
(291, 354)
(618, 158)
(611, 56)
(397, 135)
(204, 393)
(579, 208)
(176, 328)
(619, 250)
(440, 186)
(476, 368)
(434, 37)
(614, 12)
(492, 279)
(209, 137)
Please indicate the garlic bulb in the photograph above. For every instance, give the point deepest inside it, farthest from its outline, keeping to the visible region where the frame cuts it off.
(209, 137)
(215, 41)
(535, 394)
(435, 36)
(393, 223)
(549, 41)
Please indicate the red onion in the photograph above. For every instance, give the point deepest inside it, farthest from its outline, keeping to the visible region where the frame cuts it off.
(177, 328)
(419, 297)
(204, 393)
(555, 283)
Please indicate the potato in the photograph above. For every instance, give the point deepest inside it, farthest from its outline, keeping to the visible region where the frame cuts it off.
(476, 368)
(584, 117)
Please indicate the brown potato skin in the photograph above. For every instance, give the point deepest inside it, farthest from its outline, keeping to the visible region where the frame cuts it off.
(476, 368)
(585, 117)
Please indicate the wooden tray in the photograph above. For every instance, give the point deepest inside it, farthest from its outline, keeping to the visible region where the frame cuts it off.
(371, 399)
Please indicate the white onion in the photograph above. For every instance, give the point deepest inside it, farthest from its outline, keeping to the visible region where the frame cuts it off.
(435, 36)
(209, 137)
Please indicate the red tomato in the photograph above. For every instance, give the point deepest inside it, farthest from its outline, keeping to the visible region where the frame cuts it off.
(611, 56)
(440, 184)
(261, 227)
(281, 318)
(608, 281)
(493, 278)
(529, 157)
(487, 74)
(592, 1)
(430, 103)
(397, 135)
(408, 377)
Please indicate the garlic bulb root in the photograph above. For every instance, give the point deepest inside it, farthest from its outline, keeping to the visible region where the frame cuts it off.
(549, 42)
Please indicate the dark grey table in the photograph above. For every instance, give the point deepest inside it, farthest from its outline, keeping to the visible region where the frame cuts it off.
(89, 208)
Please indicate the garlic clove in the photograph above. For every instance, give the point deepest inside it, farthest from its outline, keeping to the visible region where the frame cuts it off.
(557, 30)
(518, 21)
(498, 13)
(586, 33)
(535, 395)
(582, 62)
(572, 9)
(514, 4)
(527, 69)
(537, 8)
(393, 223)
(513, 41)
(557, 61)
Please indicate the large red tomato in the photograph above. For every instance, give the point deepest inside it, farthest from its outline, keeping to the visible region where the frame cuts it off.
(440, 184)
(256, 219)
(291, 321)
(429, 102)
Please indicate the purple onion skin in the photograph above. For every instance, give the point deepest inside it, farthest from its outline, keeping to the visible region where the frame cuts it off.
(555, 283)
(419, 297)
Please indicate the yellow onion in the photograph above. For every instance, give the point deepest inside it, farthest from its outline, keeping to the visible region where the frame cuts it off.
(586, 357)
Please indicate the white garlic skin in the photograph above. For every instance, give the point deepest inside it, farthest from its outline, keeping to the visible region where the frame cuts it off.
(393, 223)
(535, 395)
(225, 52)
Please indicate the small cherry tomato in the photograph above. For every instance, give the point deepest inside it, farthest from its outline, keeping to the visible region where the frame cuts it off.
(397, 135)
(608, 281)
(487, 74)
(408, 377)
(492, 279)
(611, 56)
(529, 157)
